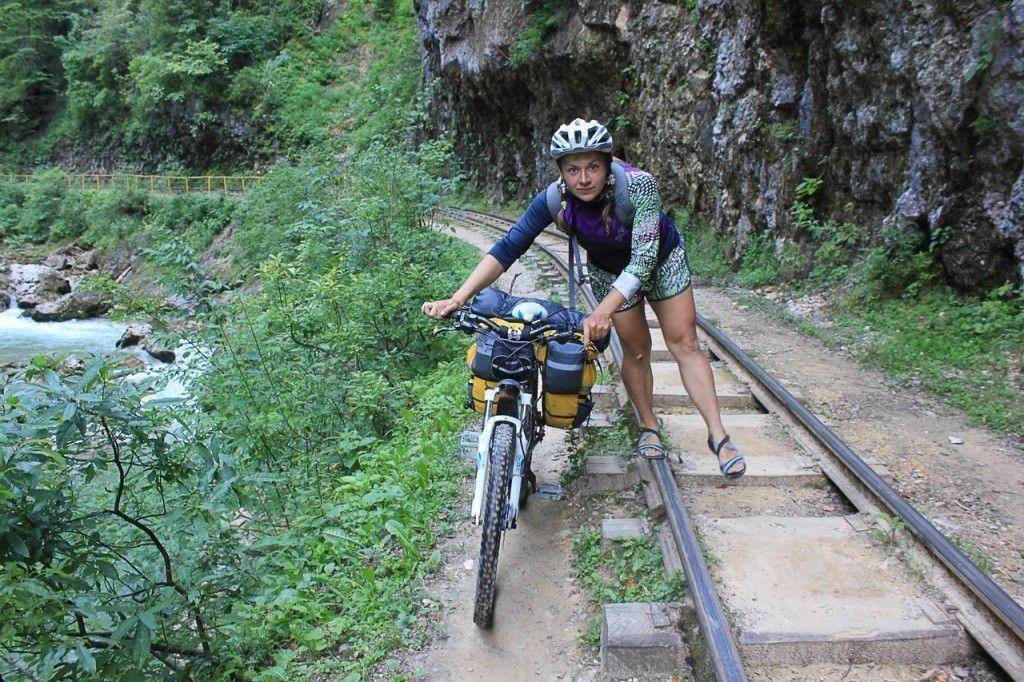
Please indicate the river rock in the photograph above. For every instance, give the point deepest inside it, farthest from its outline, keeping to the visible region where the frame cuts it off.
(35, 284)
(115, 263)
(5, 300)
(138, 334)
(75, 305)
(71, 365)
(72, 257)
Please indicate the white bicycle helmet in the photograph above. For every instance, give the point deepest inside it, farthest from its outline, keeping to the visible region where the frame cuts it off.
(580, 136)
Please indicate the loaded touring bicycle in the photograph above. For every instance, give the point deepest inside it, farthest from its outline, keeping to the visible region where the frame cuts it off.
(528, 370)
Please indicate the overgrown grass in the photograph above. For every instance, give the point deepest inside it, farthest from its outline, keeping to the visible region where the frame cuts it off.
(967, 350)
(631, 571)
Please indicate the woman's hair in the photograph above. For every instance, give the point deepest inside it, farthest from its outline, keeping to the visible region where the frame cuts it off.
(606, 212)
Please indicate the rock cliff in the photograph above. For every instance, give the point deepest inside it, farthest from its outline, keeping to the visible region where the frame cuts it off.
(911, 114)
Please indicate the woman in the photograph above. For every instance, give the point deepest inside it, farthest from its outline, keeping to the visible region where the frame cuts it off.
(634, 253)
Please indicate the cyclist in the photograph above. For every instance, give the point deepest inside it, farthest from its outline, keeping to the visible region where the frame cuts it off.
(634, 253)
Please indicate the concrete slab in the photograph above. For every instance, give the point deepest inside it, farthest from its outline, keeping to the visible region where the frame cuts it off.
(605, 397)
(603, 473)
(617, 530)
(669, 391)
(755, 500)
(601, 420)
(814, 590)
(641, 642)
(773, 457)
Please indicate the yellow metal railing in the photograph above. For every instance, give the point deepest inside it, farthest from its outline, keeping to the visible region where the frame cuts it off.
(165, 184)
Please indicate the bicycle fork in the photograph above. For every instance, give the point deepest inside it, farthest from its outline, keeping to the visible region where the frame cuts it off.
(483, 447)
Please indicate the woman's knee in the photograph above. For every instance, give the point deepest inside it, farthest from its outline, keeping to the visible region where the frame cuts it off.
(682, 346)
(634, 336)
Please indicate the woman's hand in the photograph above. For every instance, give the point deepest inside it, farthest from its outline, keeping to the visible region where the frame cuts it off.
(441, 309)
(596, 326)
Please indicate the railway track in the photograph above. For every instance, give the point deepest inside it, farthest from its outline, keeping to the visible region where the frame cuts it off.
(803, 548)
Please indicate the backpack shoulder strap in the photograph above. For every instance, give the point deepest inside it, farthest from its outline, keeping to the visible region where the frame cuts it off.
(624, 208)
(554, 198)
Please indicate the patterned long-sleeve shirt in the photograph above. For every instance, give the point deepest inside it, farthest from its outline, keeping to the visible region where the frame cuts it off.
(632, 251)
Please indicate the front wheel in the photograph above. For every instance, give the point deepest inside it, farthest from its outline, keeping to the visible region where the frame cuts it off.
(499, 470)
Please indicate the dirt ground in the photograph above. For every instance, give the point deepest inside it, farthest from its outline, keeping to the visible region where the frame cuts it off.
(539, 611)
(971, 490)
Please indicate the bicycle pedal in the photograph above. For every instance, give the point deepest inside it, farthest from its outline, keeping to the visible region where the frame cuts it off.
(469, 443)
(549, 491)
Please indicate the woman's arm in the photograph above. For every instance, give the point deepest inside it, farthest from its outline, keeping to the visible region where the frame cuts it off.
(488, 270)
(643, 257)
(500, 258)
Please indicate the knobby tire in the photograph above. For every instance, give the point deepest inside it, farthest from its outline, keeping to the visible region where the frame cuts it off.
(499, 474)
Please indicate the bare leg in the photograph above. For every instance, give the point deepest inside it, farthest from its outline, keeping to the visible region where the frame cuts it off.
(678, 318)
(635, 337)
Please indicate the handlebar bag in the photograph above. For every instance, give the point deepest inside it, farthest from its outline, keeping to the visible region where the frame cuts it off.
(568, 374)
(490, 359)
(491, 302)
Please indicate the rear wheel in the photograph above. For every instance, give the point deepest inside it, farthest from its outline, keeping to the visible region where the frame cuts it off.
(499, 469)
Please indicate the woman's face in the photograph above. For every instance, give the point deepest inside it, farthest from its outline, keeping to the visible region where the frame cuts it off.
(584, 174)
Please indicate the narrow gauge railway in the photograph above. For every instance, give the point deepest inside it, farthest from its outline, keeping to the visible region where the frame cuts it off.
(792, 587)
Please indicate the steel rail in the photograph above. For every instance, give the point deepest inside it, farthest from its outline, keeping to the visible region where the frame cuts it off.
(722, 651)
(998, 601)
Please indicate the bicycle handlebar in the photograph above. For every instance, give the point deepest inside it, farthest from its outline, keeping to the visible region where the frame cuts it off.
(470, 322)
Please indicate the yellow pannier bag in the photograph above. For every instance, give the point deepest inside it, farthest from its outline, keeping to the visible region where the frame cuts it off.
(476, 385)
(480, 357)
(568, 374)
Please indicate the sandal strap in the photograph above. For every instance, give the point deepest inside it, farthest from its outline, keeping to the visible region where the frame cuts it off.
(659, 449)
(717, 449)
(642, 447)
(738, 459)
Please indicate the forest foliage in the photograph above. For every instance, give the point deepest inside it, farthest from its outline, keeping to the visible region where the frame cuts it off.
(277, 519)
(196, 84)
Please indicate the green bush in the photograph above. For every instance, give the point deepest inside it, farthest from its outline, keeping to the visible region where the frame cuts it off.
(704, 249)
(137, 542)
(759, 265)
(199, 85)
(546, 17)
(903, 264)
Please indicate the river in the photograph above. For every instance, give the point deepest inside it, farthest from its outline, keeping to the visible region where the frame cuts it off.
(21, 337)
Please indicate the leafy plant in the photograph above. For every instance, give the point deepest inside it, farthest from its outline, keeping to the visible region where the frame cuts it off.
(704, 249)
(632, 571)
(548, 16)
(785, 131)
(759, 265)
(982, 127)
(888, 528)
(980, 560)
